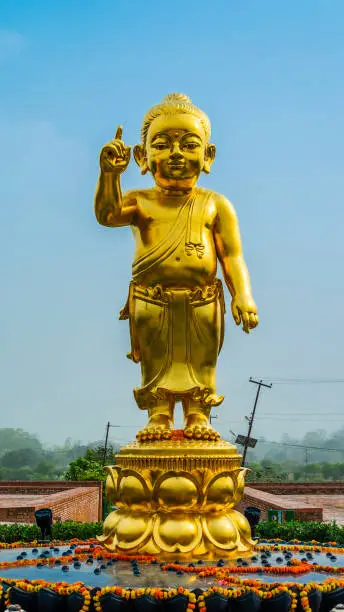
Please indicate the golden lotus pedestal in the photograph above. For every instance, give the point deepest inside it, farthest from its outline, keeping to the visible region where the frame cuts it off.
(175, 498)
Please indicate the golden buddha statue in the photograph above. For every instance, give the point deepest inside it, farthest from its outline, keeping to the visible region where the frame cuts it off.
(175, 305)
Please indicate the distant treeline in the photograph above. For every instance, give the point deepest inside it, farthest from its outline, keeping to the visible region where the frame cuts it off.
(314, 447)
(292, 471)
(23, 457)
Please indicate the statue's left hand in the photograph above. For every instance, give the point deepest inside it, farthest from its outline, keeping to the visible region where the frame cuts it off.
(244, 311)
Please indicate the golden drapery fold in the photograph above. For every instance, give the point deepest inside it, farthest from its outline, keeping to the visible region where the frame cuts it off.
(177, 335)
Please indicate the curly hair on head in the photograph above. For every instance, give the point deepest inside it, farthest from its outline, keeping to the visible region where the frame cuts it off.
(172, 104)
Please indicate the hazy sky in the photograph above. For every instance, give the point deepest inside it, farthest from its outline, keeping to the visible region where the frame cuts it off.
(270, 76)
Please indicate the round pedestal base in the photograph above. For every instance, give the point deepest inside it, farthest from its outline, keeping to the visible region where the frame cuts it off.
(176, 499)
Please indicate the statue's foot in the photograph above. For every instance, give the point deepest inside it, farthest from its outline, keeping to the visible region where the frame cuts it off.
(197, 427)
(158, 428)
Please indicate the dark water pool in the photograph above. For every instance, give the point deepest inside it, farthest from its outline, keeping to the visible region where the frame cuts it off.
(121, 572)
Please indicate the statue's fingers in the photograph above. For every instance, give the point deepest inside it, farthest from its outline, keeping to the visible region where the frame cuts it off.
(253, 320)
(236, 315)
(113, 151)
(119, 132)
(122, 150)
(245, 322)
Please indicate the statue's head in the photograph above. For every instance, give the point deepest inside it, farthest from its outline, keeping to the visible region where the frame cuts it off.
(175, 144)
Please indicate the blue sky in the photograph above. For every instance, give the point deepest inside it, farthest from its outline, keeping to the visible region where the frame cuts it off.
(269, 75)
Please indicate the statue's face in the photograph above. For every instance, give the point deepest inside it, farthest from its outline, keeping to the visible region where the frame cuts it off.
(176, 150)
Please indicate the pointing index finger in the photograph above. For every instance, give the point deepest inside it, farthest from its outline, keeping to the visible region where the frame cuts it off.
(119, 132)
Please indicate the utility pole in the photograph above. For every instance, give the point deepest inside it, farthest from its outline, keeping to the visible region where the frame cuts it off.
(106, 441)
(213, 416)
(108, 425)
(251, 419)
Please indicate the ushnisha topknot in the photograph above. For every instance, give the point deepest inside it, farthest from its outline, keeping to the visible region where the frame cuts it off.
(172, 104)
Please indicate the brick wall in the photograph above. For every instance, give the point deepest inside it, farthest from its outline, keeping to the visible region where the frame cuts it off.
(43, 487)
(266, 501)
(68, 500)
(300, 488)
(80, 504)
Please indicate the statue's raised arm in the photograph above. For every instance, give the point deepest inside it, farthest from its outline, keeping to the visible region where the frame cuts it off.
(111, 209)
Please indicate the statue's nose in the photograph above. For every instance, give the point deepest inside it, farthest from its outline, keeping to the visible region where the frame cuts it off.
(175, 152)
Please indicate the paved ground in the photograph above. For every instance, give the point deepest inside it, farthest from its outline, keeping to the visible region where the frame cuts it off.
(333, 505)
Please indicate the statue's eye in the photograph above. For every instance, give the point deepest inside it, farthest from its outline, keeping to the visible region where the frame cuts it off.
(160, 145)
(190, 146)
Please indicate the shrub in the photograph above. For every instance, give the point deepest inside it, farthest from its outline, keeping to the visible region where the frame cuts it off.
(60, 531)
(304, 531)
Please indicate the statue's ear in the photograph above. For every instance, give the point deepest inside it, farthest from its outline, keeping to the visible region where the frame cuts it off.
(209, 157)
(140, 158)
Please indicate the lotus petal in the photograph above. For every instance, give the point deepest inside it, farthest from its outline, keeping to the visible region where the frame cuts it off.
(221, 530)
(176, 490)
(177, 533)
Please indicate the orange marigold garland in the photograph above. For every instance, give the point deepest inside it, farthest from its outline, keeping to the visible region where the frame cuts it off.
(264, 592)
(37, 544)
(234, 588)
(230, 585)
(157, 593)
(61, 588)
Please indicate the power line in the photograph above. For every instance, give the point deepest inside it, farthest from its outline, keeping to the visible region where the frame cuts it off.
(303, 419)
(289, 414)
(307, 381)
(339, 450)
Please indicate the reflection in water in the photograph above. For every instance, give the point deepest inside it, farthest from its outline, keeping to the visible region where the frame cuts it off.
(121, 572)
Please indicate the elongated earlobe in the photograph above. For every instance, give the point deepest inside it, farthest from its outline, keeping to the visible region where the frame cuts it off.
(209, 158)
(140, 158)
(206, 167)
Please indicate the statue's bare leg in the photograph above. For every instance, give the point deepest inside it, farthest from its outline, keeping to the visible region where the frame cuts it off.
(160, 421)
(196, 421)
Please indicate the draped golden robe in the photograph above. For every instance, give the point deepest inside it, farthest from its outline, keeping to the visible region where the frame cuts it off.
(176, 333)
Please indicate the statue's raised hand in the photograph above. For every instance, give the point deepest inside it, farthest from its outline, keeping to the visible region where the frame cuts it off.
(115, 155)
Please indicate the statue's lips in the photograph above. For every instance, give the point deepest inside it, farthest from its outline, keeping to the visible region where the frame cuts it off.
(178, 166)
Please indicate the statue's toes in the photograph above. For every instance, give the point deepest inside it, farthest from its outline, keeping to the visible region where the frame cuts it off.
(188, 432)
(150, 433)
(205, 433)
(197, 433)
(142, 435)
(158, 432)
(214, 435)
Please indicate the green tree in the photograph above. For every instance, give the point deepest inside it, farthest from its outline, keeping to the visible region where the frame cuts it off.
(90, 467)
(45, 470)
(15, 439)
(20, 457)
(22, 473)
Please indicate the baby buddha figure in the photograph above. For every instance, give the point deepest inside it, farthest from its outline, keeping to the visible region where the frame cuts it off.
(176, 304)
